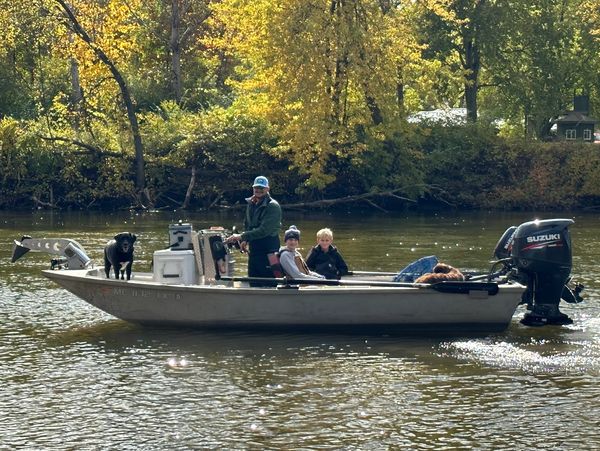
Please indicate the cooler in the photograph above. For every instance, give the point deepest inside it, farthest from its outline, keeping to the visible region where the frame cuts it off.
(175, 267)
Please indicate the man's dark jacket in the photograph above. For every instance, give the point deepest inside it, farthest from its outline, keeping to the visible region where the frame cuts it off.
(261, 230)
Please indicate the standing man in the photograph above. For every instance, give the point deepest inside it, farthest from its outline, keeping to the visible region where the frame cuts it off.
(261, 229)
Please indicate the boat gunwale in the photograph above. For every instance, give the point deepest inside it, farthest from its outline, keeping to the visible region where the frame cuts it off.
(148, 283)
(97, 291)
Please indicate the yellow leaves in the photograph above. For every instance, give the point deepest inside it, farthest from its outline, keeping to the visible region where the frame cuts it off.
(318, 69)
(9, 28)
(122, 24)
(589, 13)
(112, 26)
(23, 26)
(244, 26)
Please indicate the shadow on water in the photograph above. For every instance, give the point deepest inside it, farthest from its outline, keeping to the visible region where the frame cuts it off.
(120, 338)
(121, 334)
(518, 347)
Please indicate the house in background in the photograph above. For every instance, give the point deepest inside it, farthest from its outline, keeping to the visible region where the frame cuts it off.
(576, 125)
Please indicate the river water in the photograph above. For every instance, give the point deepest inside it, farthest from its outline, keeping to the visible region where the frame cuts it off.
(73, 377)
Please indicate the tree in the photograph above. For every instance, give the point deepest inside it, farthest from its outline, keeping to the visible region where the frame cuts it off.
(588, 15)
(29, 76)
(222, 147)
(541, 62)
(324, 73)
(173, 60)
(460, 33)
(76, 27)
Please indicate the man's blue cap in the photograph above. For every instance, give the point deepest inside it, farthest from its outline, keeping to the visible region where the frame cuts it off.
(261, 182)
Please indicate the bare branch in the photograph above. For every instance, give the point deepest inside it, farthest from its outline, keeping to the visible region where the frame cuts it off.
(373, 204)
(40, 203)
(88, 147)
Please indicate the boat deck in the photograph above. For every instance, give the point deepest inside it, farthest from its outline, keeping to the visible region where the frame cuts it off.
(147, 277)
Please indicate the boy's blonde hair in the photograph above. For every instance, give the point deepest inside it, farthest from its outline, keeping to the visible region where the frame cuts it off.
(325, 233)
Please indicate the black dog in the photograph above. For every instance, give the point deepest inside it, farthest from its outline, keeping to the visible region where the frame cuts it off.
(119, 253)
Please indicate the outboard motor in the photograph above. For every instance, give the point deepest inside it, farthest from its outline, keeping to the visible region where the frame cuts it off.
(541, 252)
(504, 244)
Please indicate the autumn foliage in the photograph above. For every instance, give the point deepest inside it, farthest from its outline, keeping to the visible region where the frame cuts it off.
(118, 104)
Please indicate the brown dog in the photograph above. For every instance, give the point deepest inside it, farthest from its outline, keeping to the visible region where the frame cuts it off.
(441, 272)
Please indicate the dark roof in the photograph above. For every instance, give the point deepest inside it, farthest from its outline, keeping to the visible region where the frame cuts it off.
(576, 117)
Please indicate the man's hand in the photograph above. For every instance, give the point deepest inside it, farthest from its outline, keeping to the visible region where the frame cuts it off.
(232, 238)
(244, 247)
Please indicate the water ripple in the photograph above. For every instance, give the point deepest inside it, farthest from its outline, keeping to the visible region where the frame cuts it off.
(72, 377)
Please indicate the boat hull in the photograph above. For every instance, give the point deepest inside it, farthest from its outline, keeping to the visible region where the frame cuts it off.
(394, 309)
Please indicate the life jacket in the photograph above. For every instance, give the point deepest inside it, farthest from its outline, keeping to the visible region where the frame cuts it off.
(275, 264)
(300, 263)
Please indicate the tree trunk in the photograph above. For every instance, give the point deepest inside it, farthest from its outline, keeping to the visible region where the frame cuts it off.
(140, 178)
(190, 189)
(175, 50)
(472, 65)
(376, 115)
(341, 65)
(544, 128)
(76, 91)
(340, 73)
(471, 100)
(400, 96)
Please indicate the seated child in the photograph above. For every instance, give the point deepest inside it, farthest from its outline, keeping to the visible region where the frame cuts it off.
(325, 259)
(291, 260)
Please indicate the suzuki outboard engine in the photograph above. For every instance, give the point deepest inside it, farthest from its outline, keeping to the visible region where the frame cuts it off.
(541, 252)
(504, 244)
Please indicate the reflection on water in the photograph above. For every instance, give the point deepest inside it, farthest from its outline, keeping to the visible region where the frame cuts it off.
(534, 356)
(73, 377)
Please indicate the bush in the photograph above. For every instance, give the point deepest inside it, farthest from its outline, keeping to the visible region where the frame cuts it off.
(482, 170)
(28, 166)
(475, 167)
